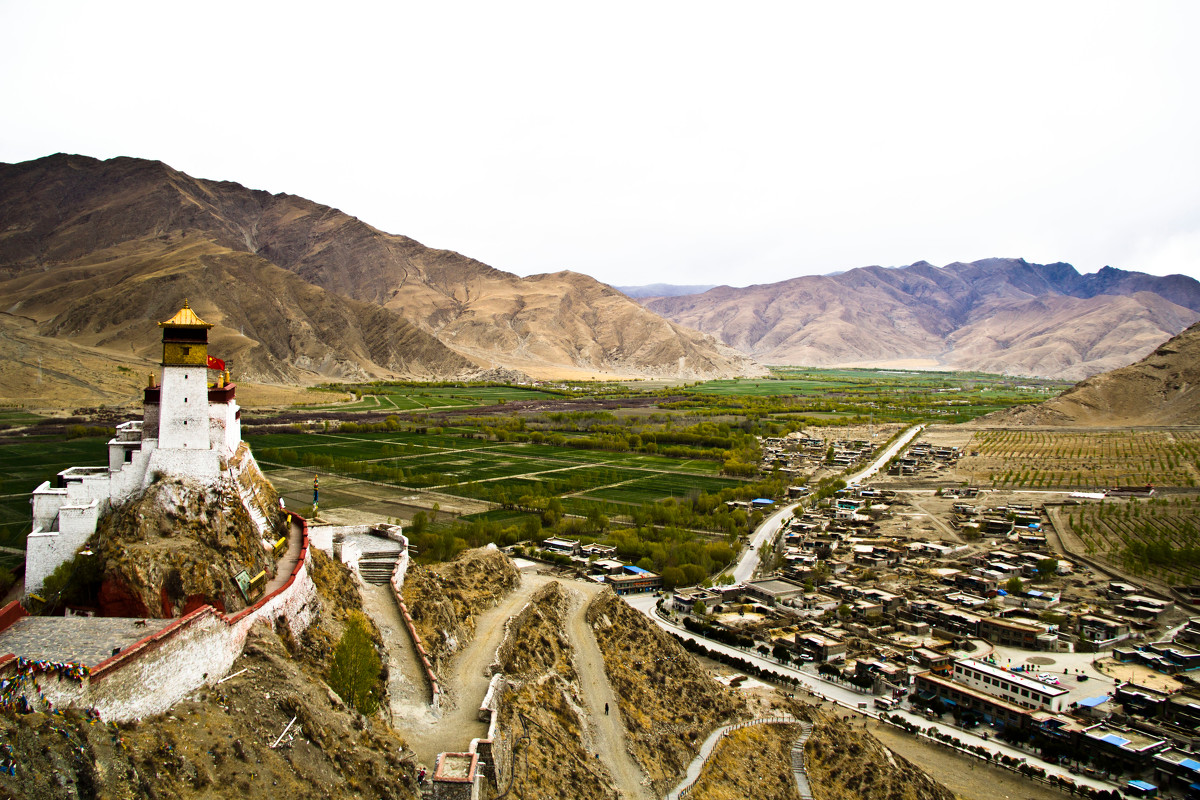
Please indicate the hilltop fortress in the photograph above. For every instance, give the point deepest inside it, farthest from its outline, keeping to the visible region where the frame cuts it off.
(188, 430)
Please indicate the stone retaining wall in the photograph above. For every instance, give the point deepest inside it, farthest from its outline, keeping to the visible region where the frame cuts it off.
(166, 666)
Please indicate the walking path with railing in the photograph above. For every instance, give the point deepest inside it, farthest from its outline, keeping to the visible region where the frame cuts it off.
(710, 745)
(798, 768)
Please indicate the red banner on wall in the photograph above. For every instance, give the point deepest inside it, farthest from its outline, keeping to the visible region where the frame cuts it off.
(215, 363)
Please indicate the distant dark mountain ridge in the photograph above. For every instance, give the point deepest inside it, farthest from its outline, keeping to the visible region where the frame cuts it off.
(998, 315)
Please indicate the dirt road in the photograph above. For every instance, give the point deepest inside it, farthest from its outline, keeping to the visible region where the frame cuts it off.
(607, 728)
(465, 685)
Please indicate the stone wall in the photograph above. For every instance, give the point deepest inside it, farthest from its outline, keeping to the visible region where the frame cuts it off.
(196, 650)
(397, 584)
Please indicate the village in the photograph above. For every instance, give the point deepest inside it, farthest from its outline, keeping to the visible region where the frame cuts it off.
(950, 604)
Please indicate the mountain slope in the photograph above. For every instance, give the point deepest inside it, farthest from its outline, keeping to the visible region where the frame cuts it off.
(998, 315)
(1161, 389)
(69, 215)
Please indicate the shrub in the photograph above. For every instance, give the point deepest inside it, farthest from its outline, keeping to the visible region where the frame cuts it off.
(355, 667)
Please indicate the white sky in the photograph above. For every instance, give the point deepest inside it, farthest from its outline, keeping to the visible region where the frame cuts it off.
(646, 142)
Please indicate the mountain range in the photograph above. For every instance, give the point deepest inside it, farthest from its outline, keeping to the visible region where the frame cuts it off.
(92, 251)
(996, 315)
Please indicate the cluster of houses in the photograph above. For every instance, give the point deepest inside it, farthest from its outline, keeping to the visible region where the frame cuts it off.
(598, 562)
(894, 614)
(924, 457)
(800, 453)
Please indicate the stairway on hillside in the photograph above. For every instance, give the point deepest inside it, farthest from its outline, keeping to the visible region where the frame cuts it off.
(798, 769)
(376, 567)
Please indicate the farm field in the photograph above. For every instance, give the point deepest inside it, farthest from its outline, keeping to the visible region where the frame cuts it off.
(24, 465)
(1157, 538)
(498, 472)
(894, 395)
(401, 397)
(1082, 459)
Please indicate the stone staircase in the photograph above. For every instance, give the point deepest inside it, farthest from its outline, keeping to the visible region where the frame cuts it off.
(376, 567)
(798, 768)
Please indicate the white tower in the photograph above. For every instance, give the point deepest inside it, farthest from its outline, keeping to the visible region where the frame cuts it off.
(183, 399)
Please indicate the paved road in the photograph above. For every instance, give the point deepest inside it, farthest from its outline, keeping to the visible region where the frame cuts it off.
(765, 535)
(878, 464)
(747, 563)
(850, 699)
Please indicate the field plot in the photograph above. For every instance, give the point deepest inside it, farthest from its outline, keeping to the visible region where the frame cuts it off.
(397, 397)
(1158, 538)
(495, 472)
(1082, 460)
(24, 465)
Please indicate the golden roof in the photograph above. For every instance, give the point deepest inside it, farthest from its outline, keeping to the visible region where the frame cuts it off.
(185, 318)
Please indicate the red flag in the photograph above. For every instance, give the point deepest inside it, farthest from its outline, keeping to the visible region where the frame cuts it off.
(215, 363)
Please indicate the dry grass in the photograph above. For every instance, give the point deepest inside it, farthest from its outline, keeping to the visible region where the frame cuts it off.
(752, 762)
(669, 702)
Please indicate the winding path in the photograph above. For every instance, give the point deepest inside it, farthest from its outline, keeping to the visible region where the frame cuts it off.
(465, 681)
(710, 744)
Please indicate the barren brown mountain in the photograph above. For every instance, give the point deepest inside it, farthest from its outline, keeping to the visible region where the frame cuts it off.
(297, 291)
(996, 315)
(1161, 389)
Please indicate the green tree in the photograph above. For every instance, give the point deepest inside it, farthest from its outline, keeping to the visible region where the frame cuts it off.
(355, 667)
(1014, 585)
(699, 609)
(1047, 568)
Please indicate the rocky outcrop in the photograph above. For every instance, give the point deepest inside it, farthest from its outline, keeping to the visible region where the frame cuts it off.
(1161, 389)
(175, 547)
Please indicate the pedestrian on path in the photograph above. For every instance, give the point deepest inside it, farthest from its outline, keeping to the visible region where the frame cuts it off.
(606, 709)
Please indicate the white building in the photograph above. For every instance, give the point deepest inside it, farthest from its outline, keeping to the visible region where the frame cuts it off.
(1017, 689)
(189, 429)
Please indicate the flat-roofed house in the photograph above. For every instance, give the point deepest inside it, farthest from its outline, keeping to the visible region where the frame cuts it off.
(1011, 687)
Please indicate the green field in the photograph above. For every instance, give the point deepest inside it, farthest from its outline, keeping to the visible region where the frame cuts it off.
(403, 397)
(25, 464)
(494, 471)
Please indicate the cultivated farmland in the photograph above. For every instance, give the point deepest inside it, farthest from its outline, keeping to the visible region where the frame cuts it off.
(498, 472)
(1082, 459)
(1157, 538)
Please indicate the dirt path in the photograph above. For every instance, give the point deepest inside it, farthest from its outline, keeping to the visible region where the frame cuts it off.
(943, 527)
(608, 729)
(464, 683)
(408, 690)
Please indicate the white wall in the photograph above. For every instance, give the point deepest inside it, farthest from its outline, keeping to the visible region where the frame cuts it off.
(167, 666)
(183, 415)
